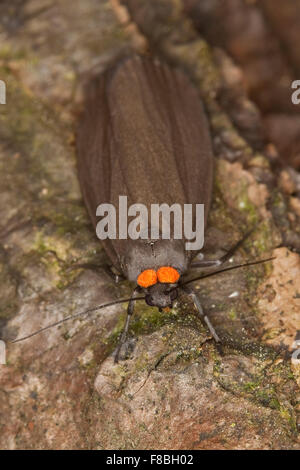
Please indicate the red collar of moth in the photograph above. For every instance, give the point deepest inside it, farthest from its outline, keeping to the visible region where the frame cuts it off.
(165, 274)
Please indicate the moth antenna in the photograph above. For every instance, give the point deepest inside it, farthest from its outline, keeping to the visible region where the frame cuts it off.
(230, 268)
(115, 302)
(76, 315)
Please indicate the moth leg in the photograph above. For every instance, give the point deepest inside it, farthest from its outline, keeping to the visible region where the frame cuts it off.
(217, 262)
(191, 293)
(130, 310)
(117, 277)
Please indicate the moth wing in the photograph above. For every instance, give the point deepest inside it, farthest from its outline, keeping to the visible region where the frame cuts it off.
(144, 135)
(94, 153)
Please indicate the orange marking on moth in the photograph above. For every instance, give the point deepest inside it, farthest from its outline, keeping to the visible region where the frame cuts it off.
(169, 275)
(147, 278)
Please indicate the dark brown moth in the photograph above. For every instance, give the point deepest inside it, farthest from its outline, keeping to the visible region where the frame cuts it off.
(144, 134)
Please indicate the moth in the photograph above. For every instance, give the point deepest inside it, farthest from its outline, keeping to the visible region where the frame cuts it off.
(144, 134)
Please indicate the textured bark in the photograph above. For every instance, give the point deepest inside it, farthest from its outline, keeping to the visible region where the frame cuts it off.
(176, 389)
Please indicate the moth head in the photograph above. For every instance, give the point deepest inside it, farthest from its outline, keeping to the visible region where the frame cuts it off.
(160, 286)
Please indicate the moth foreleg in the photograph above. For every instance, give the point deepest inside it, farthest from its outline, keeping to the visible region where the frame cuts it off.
(191, 293)
(130, 310)
(218, 262)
